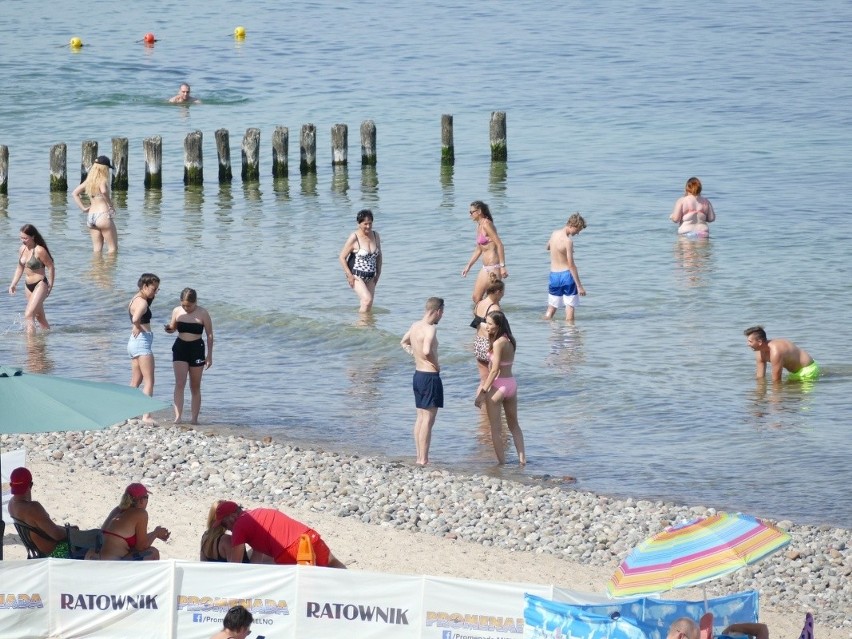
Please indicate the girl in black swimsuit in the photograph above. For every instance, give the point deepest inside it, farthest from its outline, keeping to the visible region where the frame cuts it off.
(190, 321)
(34, 260)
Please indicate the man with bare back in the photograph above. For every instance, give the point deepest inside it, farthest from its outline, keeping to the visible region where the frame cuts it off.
(780, 353)
(564, 287)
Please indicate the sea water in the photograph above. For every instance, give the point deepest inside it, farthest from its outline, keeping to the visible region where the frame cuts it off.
(610, 108)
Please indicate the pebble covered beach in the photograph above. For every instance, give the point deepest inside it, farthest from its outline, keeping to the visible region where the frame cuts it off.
(812, 573)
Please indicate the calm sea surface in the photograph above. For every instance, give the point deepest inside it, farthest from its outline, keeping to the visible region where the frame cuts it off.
(610, 108)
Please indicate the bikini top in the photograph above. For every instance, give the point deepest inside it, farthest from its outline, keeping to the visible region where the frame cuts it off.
(501, 363)
(190, 327)
(130, 541)
(34, 264)
(477, 320)
(482, 239)
(146, 316)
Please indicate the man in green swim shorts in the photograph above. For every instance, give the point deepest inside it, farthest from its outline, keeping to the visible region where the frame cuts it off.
(51, 539)
(780, 353)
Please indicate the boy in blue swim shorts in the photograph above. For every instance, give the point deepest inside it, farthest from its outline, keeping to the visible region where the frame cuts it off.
(564, 287)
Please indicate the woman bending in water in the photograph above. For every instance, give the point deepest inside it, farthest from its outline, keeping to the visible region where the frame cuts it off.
(693, 212)
(100, 211)
(488, 246)
(34, 260)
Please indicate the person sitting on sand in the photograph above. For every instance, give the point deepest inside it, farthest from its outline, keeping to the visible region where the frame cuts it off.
(125, 529)
(50, 538)
(184, 97)
(237, 624)
(270, 532)
(216, 541)
(780, 354)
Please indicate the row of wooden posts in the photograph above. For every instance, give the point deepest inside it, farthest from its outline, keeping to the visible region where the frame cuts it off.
(193, 170)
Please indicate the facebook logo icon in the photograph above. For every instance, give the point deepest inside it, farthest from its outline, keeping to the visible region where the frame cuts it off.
(196, 617)
(447, 634)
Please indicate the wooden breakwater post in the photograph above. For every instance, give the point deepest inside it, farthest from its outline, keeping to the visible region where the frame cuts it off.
(308, 149)
(251, 156)
(280, 151)
(152, 149)
(368, 143)
(193, 163)
(58, 167)
(120, 154)
(339, 145)
(223, 151)
(499, 152)
(4, 169)
(88, 154)
(448, 153)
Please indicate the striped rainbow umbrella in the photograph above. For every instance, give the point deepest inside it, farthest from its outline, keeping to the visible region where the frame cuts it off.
(695, 552)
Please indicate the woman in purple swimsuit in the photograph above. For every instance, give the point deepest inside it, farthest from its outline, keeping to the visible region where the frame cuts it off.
(499, 390)
(488, 246)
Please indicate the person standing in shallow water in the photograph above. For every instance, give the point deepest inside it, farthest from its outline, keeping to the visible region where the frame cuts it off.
(780, 353)
(361, 259)
(100, 212)
(421, 341)
(488, 246)
(141, 341)
(693, 212)
(34, 260)
(564, 287)
(190, 321)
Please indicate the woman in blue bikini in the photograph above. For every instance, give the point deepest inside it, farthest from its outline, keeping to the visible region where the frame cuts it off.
(34, 260)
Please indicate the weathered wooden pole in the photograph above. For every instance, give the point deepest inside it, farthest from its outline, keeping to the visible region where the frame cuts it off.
(368, 143)
(280, 151)
(193, 163)
(339, 145)
(58, 167)
(251, 155)
(152, 149)
(223, 150)
(120, 153)
(4, 169)
(448, 153)
(308, 149)
(499, 152)
(89, 152)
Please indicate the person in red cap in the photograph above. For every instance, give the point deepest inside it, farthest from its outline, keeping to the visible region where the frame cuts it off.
(125, 529)
(50, 538)
(270, 532)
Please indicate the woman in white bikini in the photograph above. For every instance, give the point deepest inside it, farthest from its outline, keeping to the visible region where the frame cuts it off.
(693, 212)
(361, 259)
(101, 212)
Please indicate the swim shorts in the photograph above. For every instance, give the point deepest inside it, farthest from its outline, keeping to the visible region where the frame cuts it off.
(428, 390)
(190, 352)
(562, 290)
(140, 345)
(805, 374)
(62, 550)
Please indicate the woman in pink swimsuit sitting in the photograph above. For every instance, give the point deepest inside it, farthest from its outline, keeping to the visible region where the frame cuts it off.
(693, 213)
(488, 246)
(499, 390)
(125, 529)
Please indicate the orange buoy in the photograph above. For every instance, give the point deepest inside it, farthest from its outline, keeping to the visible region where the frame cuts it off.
(149, 38)
(305, 555)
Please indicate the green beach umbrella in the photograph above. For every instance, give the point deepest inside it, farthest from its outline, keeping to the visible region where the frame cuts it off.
(31, 403)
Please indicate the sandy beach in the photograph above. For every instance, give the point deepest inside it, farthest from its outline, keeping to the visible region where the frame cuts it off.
(186, 470)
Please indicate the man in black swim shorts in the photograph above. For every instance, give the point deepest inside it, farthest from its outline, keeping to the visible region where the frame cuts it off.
(421, 341)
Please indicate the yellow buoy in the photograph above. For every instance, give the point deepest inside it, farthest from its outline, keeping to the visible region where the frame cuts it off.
(75, 43)
(240, 32)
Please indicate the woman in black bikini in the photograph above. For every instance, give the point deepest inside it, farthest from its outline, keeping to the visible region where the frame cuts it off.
(216, 541)
(34, 259)
(361, 259)
(190, 321)
(481, 342)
